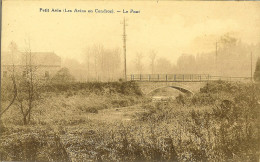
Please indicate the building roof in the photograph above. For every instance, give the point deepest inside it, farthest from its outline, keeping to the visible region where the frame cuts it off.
(38, 58)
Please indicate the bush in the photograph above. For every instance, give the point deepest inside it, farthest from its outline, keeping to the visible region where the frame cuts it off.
(125, 88)
(203, 99)
(92, 108)
(63, 76)
(32, 146)
(120, 102)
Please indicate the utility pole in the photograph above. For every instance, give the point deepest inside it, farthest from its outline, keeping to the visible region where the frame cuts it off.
(88, 66)
(251, 67)
(216, 50)
(216, 57)
(124, 46)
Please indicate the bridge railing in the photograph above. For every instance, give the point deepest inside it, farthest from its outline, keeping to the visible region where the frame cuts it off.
(168, 77)
(226, 78)
(181, 78)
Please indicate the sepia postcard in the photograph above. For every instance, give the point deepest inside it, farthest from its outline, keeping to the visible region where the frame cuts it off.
(130, 81)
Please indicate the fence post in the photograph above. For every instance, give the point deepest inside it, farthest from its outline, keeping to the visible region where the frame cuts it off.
(200, 77)
(183, 77)
(174, 77)
(140, 77)
(166, 78)
(158, 77)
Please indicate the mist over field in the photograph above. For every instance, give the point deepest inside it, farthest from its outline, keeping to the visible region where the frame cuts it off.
(231, 57)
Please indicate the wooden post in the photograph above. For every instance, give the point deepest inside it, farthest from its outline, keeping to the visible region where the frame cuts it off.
(140, 77)
(158, 77)
(166, 78)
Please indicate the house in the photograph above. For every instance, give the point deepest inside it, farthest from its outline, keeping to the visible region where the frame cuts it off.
(45, 64)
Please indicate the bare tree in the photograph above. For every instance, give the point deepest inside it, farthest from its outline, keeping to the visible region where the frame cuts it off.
(98, 54)
(13, 48)
(112, 63)
(163, 65)
(27, 87)
(87, 60)
(91, 62)
(77, 69)
(139, 63)
(152, 57)
(102, 64)
(117, 68)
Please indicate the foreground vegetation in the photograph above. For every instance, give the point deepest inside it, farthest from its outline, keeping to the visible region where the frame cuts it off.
(220, 123)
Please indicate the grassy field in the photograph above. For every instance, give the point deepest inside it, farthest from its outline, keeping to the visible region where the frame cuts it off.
(114, 122)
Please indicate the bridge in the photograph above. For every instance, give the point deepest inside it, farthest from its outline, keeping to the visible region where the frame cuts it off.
(186, 83)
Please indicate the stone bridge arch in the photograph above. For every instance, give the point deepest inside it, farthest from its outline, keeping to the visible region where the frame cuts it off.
(181, 89)
(185, 87)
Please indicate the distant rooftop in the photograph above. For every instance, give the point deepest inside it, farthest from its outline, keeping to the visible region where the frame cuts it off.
(38, 58)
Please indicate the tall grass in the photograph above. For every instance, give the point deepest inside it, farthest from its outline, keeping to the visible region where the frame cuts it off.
(220, 123)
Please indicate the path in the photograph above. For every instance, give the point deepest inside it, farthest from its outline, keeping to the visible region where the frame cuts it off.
(116, 114)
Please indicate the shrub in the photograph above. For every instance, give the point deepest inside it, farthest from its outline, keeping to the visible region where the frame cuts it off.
(203, 99)
(108, 88)
(62, 76)
(92, 110)
(32, 146)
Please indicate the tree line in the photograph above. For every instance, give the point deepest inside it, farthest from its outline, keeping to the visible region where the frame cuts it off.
(231, 57)
(98, 64)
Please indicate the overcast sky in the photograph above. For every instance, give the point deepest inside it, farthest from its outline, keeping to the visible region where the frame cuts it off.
(171, 28)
